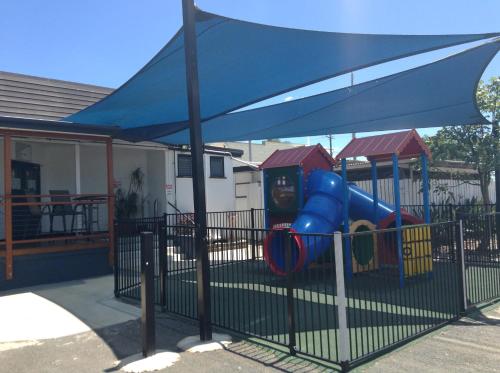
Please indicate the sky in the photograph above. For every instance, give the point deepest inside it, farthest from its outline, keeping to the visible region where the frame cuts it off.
(104, 42)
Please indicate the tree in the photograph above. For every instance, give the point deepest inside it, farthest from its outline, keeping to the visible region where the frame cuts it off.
(476, 145)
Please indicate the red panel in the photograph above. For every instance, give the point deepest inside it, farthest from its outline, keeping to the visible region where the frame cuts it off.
(406, 144)
(318, 159)
(296, 157)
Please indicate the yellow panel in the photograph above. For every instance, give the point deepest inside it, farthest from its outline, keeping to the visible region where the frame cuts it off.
(373, 265)
(417, 250)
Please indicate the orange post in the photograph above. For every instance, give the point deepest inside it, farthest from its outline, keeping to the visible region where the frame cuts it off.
(111, 199)
(7, 177)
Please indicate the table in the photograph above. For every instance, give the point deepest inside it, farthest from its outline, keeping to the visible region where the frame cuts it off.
(88, 202)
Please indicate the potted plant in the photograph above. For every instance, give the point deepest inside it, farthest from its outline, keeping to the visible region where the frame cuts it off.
(130, 203)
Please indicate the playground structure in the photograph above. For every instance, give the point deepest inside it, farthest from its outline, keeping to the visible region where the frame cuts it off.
(303, 195)
(207, 292)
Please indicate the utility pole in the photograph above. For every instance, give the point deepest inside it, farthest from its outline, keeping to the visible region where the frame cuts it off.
(195, 135)
(330, 139)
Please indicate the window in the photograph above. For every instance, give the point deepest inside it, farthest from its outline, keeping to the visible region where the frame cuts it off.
(217, 167)
(184, 166)
(283, 192)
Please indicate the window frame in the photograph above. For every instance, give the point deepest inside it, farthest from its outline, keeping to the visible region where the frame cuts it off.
(212, 176)
(184, 156)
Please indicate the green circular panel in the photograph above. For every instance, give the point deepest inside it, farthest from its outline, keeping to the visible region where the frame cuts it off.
(362, 246)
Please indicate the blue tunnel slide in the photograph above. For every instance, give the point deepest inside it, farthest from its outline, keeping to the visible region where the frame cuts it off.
(322, 214)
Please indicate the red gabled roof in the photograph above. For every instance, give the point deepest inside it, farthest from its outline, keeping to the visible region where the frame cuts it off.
(406, 144)
(294, 156)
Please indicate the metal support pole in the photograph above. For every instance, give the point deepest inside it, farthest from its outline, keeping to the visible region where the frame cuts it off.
(375, 191)
(397, 203)
(344, 341)
(116, 258)
(200, 216)
(147, 295)
(462, 276)
(345, 209)
(111, 199)
(289, 293)
(162, 254)
(425, 189)
(252, 227)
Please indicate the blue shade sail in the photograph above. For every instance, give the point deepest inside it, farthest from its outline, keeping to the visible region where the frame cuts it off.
(241, 63)
(437, 94)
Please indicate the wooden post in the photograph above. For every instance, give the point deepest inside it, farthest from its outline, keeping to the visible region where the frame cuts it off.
(111, 199)
(7, 178)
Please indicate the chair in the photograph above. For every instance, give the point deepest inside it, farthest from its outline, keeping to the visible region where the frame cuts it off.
(64, 209)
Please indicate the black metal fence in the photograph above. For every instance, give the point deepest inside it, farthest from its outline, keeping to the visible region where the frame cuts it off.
(448, 212)
(332, 309)
(127, 258)
(482, 256)
(394, 297)
(252, 219)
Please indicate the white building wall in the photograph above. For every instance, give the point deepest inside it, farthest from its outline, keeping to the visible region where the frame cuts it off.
(125, 161)
(57, 171)
(155, 173)
(170, 180)
(93, 169)
(248, 191)
(443, 191)
(219, 191)
(93, 176)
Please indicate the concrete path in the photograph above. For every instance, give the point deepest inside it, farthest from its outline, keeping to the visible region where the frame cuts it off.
(79, 327)
(59, 310)
(470, 345)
